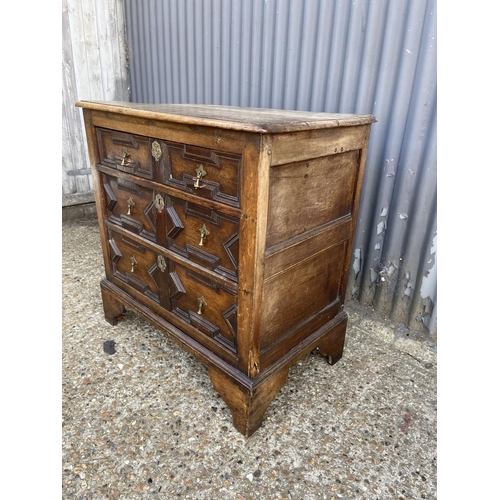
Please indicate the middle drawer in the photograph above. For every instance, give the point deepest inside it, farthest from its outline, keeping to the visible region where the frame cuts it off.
(195, 232)
(203, 235)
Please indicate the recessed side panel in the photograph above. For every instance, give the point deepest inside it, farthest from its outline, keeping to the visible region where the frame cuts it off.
(300, 299)
(305, 195)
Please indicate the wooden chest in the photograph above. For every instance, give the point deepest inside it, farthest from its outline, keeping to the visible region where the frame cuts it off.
(231, 230)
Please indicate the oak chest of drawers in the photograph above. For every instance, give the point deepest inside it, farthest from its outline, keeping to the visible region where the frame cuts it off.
(231, 230)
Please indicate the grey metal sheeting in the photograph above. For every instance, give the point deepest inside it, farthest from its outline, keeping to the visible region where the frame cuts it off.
(376, 57)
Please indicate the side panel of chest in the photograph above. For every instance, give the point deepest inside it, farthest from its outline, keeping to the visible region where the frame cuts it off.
(310, 223)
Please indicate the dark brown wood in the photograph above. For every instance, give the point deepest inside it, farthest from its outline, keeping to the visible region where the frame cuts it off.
(113, 308)
(332, 345)
(126, 152)
(248, 404)
(279, 257)
(245, 266)
(220, 249)
(300, 147)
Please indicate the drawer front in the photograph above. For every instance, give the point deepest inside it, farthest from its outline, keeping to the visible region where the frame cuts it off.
(133, 154)
(205, 305)
(130, 206)
(204, 172)
(205, 236)
(135, 266)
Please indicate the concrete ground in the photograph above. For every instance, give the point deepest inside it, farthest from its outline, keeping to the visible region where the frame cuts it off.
(146, 423)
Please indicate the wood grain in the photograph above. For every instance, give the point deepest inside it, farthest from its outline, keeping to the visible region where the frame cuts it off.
(308, 194)
(300, 292)
(301, 146)
(259, 120)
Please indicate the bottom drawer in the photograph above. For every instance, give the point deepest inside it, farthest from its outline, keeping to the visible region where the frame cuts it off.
(134, 265)
(191, 300)
(204, 304)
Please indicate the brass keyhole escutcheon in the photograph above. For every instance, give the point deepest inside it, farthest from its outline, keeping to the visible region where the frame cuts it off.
(200, 173)
(201, 304)
(133, 262)
(159, 203)
(161, 263)
(130, 204)
(156, 150)
(204, 233)
(125, 155)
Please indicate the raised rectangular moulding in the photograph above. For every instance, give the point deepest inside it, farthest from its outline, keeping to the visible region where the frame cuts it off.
(129, 153)
(231, 230)
(204, 172)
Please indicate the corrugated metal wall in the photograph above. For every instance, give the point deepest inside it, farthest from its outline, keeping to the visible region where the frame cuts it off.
(94, 66)
(362, 56)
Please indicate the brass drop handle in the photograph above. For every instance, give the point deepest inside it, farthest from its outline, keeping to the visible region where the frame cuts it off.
(133, 261)
(204, 233)
(125, 155)
(130, 204)
(200, 173)
(201, 303)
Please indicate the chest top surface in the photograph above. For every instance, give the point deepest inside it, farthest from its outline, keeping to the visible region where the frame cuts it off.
(259, 120)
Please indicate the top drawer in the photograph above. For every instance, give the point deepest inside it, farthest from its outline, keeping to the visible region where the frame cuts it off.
(133, 154)
(203, 172)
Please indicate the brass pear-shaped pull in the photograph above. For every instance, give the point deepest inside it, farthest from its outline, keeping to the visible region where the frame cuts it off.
(200, 173)
(130, 204)
(204, 233)
(125, 155)
(133, 262)
(201, 304)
